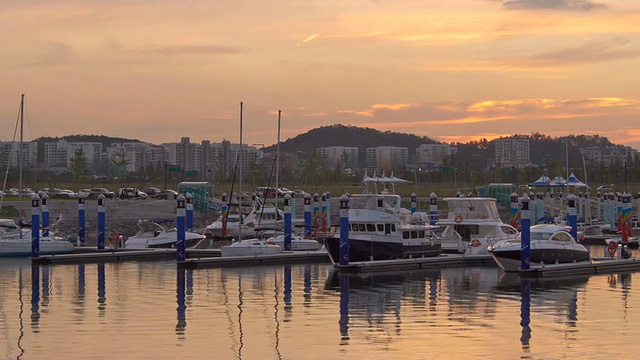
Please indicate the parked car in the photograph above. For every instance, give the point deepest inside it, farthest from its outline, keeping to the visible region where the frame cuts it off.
(152, 191)
(95, 192)
(166, 194)
(131, 193)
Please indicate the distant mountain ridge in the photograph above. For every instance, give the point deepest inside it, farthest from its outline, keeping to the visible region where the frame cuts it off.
(543, 148)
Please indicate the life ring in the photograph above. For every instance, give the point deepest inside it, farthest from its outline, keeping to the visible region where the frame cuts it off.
(475, 243)
(458, 219)
(611, 249)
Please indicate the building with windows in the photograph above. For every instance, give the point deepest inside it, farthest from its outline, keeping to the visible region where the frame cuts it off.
(58, 155)
(609, 155)
(387, 157)
(512, 152)
(9, 154)
(335, 155)
(434, 155)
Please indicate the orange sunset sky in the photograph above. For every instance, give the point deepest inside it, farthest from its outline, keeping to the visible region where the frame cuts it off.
(157, 70)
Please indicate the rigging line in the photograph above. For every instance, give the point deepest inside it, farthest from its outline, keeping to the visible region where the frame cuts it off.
(265, 198)
(9, 155)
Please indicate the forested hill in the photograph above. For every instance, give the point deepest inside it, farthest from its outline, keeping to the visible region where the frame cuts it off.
(342, 135)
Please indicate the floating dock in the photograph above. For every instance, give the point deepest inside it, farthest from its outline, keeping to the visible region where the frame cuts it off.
(417, 263)
(289, 257)
(93, 255)
(594, 266)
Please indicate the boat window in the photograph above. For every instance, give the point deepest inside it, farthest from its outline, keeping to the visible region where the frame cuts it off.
(509, 231)
(405, 235)
(361, 227)
(561, 236)
(393, 227)
(414, 234)
(421, 234)
(380, 227)
(387, 229)
(371, 227)
(354, 227)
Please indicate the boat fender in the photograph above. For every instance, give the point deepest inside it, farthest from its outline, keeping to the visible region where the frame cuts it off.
(475, 243)
(611, 249)
(458, 219)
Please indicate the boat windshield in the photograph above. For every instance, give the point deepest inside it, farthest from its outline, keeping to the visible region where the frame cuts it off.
(539, 235)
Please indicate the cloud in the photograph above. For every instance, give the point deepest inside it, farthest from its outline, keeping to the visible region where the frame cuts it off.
(309, 39)
(569, 5)
(194, 50)
(589, 52)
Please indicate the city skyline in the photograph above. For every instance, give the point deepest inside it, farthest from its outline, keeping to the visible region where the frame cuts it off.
(159, 70)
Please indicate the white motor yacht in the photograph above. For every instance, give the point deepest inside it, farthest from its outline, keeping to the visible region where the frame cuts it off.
(16, 241)
(381, 229)
(153, 235)
(472, 224)
(550, 244)
(251, 247)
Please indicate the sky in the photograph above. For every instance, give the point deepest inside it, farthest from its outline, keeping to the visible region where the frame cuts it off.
(159, 70)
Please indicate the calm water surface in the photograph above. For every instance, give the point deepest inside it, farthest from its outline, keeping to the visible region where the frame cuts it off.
(150, 310)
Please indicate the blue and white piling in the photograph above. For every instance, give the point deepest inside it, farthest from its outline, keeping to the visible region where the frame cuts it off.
(81, 219)
(287, 222)
(181, 233)
(525, 234)
(189, 207)
(514, 210)
(307, 216)
(599, 207)
(35, 226)
(572, 215)
(101, 221)
(45, 214)
(316, 214)
(433, 209)
(344, 229)
(323, 213)
(414, 202)
(587, 208)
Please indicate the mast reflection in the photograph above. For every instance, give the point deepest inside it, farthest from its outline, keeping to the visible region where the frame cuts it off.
(35, 297)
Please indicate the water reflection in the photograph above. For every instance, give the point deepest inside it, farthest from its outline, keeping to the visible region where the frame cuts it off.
(35, 298)
(182, 306)
(102, 289)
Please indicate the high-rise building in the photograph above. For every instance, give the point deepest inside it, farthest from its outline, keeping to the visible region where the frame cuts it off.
(387, 157)
(512, 152)
(334, 155)
(428, 155)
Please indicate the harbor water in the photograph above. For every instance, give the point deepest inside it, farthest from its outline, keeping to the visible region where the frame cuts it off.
(152, 310)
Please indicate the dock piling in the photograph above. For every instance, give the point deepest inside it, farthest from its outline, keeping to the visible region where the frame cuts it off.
(35, 226)
(180, 221)
(525, 234)
(101, 221)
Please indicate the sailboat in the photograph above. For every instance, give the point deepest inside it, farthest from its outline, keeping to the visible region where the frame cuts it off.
(16, 241)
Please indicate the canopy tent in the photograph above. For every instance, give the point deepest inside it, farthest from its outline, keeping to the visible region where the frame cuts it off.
(544, 180)
(558, 181)
(572, 180)
(393, 180)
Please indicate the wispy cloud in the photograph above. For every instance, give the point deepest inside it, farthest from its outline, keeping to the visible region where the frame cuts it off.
(569, 5)
(310, 38)
(180, 50)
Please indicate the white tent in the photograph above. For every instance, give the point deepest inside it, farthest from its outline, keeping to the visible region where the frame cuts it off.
(572, 180)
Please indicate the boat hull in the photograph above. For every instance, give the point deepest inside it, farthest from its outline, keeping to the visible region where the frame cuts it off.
(227, 251)
(509, 259)
(18, 247)
(360, 250)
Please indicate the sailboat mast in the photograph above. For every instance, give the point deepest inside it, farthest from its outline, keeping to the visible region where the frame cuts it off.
(278, 157)
(20, 154)
(240, 163)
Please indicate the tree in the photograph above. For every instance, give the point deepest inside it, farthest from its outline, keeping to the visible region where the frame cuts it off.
(78, 163)
(120, 161)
